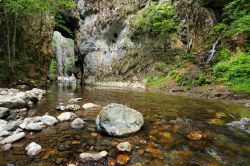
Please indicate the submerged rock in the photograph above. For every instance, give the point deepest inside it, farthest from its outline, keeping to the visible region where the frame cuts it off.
(93, 155)
(75, 100)
(13, 138)
(242, 124)
(77, 123)
(89, 105)
(199, 135)
(119, 120)
(122, 159)
(124, 147)
(33, 149)
(71, 107)
(66, 116)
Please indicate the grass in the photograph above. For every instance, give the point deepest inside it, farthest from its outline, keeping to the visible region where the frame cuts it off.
(155, 81)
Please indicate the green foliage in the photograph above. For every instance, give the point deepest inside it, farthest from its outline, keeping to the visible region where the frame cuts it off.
(156, 20)
(52, 68)
(155, 80)
(236, 9)
(70, 64)
(60, 22)
(222, 54)
(235, 72)
(238, 26)
(201, 80)
(219, 28)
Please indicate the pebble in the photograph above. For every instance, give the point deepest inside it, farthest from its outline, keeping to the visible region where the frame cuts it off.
(124, 147)
(155, 152)
(89, 105)
(122, 159)
(93, 155)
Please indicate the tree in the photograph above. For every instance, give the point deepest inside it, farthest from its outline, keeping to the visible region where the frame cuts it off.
(14, 12)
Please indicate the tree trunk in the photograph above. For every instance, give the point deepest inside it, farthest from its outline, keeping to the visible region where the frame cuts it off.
(14, 40)
(8, 38)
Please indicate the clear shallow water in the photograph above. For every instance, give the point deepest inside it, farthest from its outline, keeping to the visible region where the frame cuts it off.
(164, 139)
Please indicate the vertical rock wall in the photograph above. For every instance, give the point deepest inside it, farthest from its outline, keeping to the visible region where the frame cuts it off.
(64, 50)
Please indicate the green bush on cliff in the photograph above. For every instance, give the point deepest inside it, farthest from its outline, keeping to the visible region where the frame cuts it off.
(222, 54)
(154, 21)
(236, 9)
(238, 26)
(235, 72)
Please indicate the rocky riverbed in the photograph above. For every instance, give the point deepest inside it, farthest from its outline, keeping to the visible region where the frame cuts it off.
(75, 126)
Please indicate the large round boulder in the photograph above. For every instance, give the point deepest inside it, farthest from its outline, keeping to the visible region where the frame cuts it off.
(119, 120)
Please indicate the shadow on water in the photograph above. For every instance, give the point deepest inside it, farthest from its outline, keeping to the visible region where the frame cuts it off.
(164, 139)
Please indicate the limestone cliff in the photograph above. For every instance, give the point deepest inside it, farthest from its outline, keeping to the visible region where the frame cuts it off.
(102, 31)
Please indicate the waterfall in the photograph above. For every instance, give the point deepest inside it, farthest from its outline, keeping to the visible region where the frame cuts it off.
(211, 53)
(64, 53)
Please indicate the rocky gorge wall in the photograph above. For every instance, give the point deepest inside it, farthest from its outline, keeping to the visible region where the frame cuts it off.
(102, 31)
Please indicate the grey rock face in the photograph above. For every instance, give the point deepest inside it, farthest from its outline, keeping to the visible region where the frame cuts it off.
(101, 37)
(77, 123)
(4, 112)
(119, 120)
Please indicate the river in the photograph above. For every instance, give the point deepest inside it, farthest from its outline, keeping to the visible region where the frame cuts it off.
(165, 138)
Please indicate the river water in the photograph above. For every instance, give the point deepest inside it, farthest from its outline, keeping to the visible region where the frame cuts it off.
(165, 138)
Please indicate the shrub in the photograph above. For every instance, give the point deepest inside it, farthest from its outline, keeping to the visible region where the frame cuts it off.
(156, 20)
(222, 54)
(235, 72)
